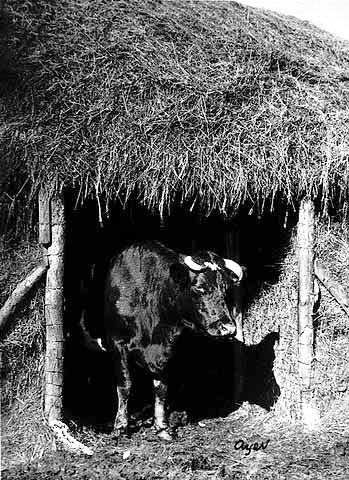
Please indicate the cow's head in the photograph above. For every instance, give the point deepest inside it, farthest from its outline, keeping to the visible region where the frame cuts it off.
(205, 308)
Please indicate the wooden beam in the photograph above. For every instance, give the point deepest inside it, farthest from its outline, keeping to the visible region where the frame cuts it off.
(232, 250)
(334, 288)
(19, 294)
(54, 311)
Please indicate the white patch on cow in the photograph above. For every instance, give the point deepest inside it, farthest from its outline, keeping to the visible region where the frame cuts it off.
(90, 342)
(159, 408)
(159, 414)
(199, 289)
(229, 329)
(61, 431)
(212, 266)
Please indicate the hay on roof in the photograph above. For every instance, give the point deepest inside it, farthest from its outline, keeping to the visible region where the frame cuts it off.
(208, 101)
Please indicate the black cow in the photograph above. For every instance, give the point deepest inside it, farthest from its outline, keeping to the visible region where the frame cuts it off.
(151, 295)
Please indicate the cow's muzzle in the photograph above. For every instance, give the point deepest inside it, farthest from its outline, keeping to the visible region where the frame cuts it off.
(223, 330)
(228, 330)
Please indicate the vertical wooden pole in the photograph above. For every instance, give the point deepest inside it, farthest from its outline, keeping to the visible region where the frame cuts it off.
(52, 237)
(54, 309)
(44, 218)
(232, 249)
(305, 309)
(346, 219)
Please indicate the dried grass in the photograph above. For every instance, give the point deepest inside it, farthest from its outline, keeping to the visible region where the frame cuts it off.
(22, 347)
(17, 259)
(208, 101)
(25, 436)
(276, 308)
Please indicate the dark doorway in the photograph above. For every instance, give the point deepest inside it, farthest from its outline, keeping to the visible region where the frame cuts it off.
(89, 385)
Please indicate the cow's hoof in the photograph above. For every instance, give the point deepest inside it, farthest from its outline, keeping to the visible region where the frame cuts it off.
(118, 432)
(120, 428)
(165, 434)
(120, 424)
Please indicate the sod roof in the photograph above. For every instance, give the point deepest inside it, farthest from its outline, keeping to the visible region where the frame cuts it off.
(211, 102)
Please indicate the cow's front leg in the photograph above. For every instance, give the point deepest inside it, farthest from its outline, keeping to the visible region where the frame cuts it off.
(160, 422)
(123, 387)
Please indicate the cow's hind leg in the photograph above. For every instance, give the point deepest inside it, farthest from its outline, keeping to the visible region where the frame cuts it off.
(123, 387)
(161, 426)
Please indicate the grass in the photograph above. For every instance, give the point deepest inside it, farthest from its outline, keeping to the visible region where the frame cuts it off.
(25, 436)
(22, 360)
(201, 453)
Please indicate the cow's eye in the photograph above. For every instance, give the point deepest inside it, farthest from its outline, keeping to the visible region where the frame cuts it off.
(200, 289)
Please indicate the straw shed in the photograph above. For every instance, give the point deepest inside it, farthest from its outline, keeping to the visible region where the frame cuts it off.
(204, 124)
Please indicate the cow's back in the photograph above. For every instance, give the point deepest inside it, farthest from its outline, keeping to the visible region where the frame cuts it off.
(135, 285)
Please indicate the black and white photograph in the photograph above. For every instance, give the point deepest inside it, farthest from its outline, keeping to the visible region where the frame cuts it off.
(174, 239)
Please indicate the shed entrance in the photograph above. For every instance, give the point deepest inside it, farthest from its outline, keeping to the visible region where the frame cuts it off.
(258, 243)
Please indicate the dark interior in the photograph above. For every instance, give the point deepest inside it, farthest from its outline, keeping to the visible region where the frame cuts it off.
(206, 377)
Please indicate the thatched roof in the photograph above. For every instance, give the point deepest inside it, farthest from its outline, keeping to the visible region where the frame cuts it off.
(212, 102)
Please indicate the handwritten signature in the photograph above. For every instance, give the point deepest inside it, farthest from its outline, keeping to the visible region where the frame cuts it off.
(248, 447)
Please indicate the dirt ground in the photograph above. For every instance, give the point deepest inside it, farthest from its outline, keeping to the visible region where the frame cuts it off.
(247, 444)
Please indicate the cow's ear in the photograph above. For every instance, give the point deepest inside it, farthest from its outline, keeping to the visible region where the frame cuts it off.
(180, 275)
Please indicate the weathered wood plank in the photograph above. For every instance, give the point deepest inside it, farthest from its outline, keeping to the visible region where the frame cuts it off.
(44, 218)
(306, 297)
(306, 290)
(19, 294)
(334, 288)
(54, 312)
(232, 250)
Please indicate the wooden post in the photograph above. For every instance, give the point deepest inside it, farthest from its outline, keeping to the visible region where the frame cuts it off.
(232, 249)
(305, 310)
(52, 237)
(54, 307)
(44, 218)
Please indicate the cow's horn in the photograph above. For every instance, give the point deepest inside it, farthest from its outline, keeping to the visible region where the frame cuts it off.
(193, 265)
(234, 267)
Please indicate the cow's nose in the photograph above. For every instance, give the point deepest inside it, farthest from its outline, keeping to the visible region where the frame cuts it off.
(228, 329)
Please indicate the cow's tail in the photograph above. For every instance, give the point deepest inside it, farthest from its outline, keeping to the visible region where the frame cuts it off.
(88, 341)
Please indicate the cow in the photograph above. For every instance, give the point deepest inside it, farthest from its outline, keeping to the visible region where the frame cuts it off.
(151, 295)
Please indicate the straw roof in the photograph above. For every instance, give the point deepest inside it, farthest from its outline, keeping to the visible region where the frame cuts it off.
(210, 102)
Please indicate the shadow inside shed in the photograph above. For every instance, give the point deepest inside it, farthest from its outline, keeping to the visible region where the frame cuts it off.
(204, 375)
